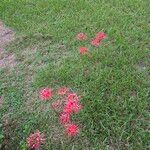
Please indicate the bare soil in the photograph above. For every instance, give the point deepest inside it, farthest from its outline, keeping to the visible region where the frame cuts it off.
(7, 60)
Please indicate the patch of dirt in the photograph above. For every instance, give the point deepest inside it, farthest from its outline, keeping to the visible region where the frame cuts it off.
(8, 61)
(6, 36)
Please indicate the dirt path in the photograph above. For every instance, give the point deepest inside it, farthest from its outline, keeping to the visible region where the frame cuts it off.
(7, 60)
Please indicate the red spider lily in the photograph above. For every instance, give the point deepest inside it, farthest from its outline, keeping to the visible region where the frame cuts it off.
(67, 109)
(63, 90)
(100, 35)
(95, 42)
(81, 36)
(72, 129)
(83, 50)
(57, 104)
(72, 106)
(35, 140)
(64, 118)
(45, 94)
(72, 97)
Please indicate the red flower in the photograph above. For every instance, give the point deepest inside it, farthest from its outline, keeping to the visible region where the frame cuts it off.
(45, 94)
(95, 42)
(81, 36)
(72, 129)
(83, 50)
(64, 118)
(67, 109)
(72, 106)
(57, 104)
(35, 140)
(100, 35)
(63, 90)
(72, 97)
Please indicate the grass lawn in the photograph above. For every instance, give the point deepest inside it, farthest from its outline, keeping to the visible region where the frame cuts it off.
(113, 82)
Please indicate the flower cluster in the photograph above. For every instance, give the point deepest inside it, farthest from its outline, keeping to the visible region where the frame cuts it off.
(71, 105)
(94, 42)
(67, 104)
